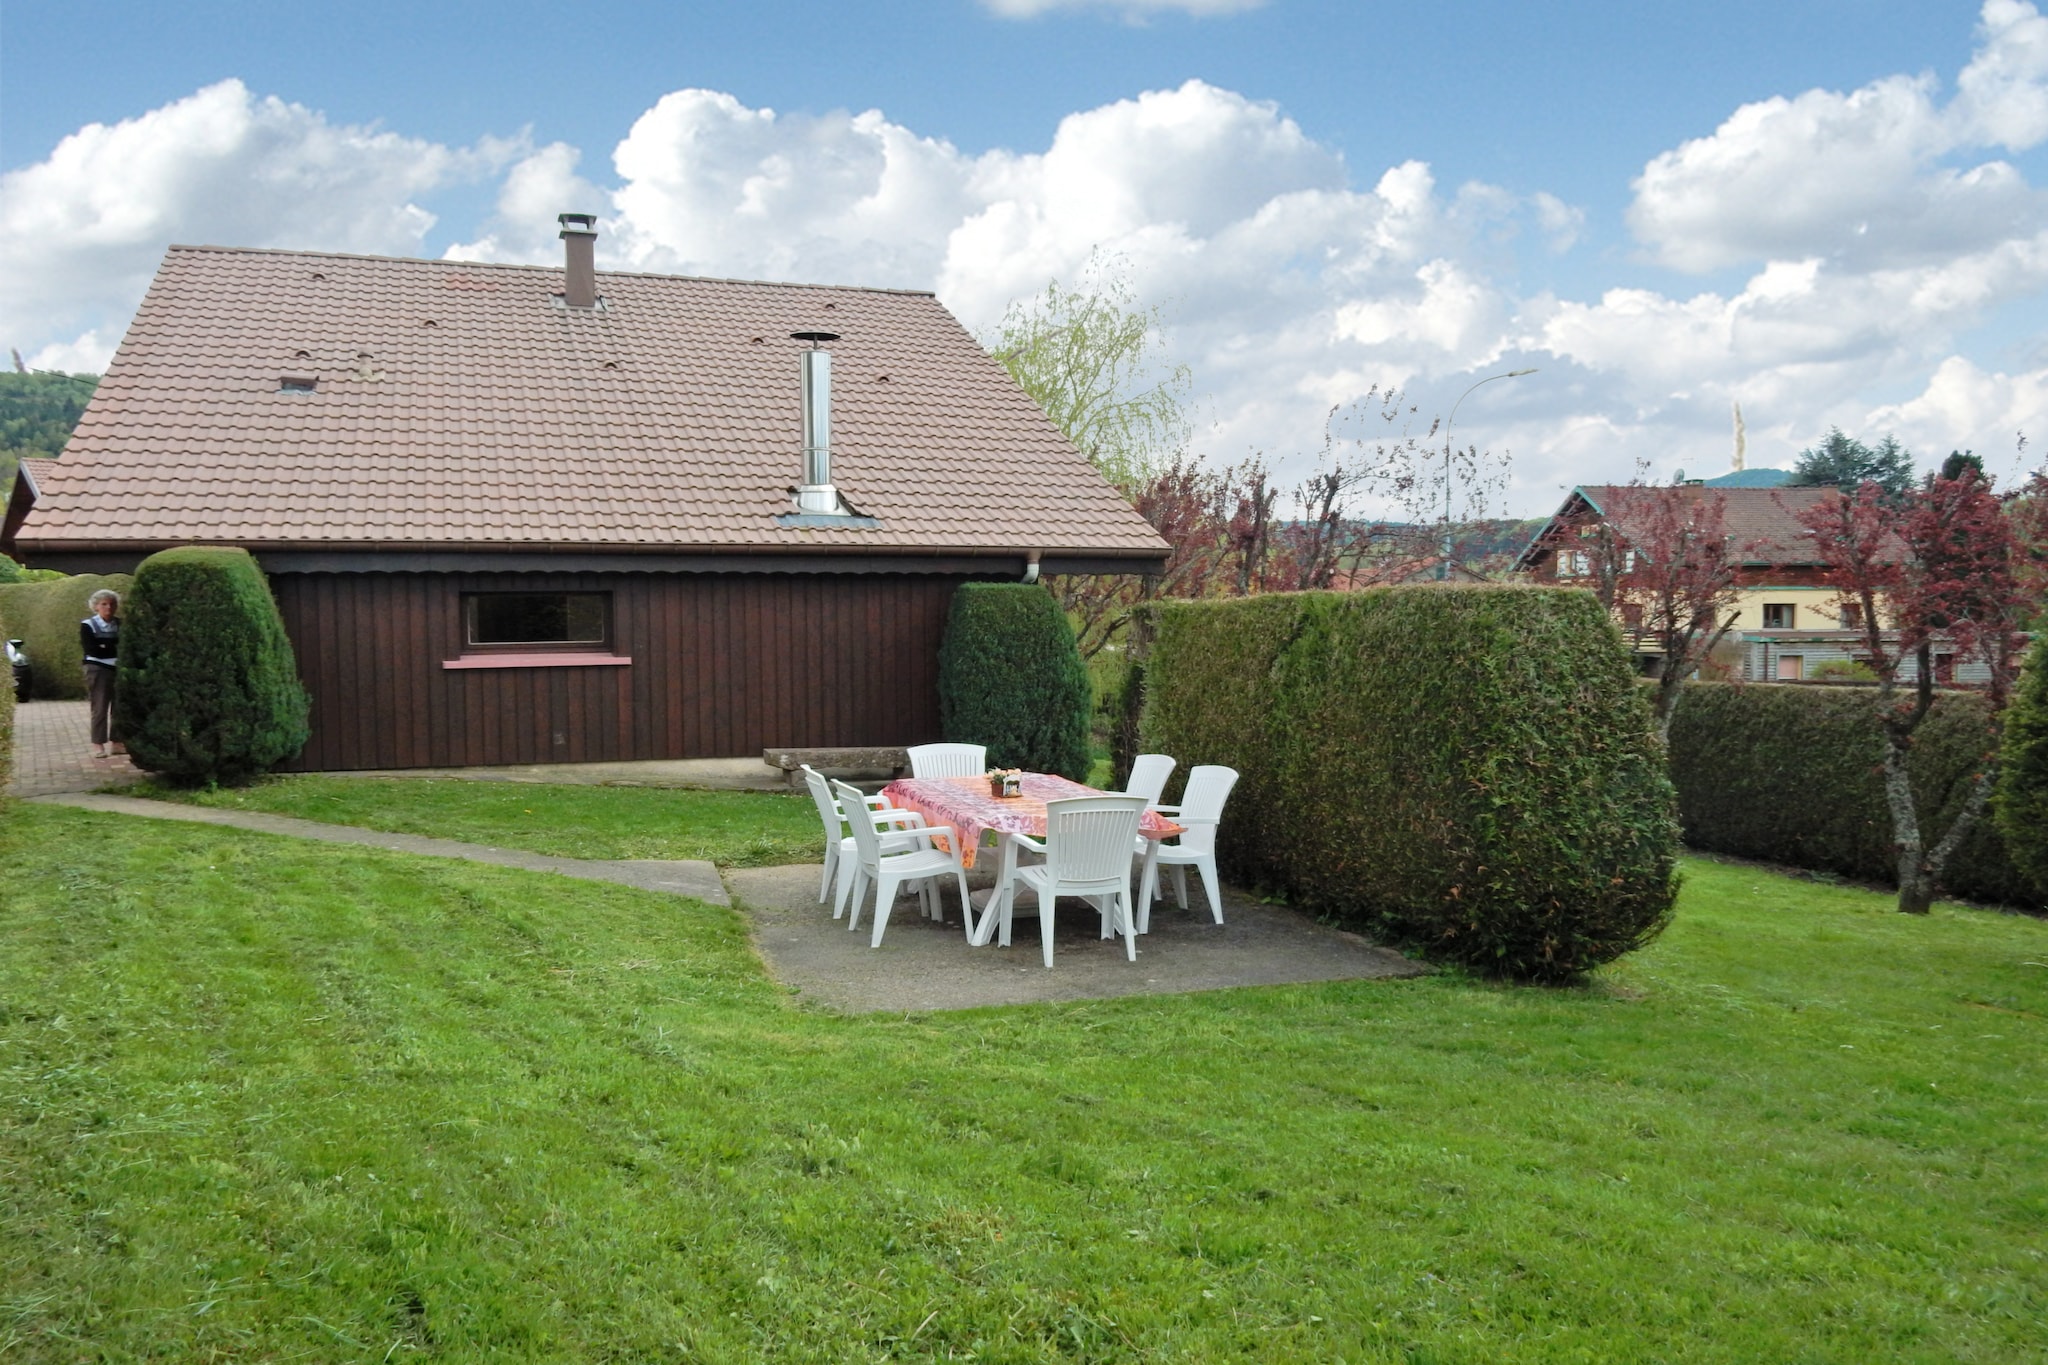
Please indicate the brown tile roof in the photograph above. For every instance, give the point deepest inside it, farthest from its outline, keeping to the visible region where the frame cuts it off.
(460, 405)
(1769, 517)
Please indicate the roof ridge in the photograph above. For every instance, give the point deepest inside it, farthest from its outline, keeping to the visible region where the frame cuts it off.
(545, 269)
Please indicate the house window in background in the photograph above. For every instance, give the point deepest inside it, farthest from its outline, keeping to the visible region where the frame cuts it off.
(1572, 564)
(1852, 616)
(1791, 667)
(1779, 615)
(530, 620)
(1945, 669)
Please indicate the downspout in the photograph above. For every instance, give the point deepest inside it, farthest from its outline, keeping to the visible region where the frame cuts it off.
(1031, 567)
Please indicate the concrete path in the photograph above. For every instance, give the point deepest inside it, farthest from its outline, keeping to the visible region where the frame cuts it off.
(681, 877)
(925, 965)
(52, 755)
(52, 752)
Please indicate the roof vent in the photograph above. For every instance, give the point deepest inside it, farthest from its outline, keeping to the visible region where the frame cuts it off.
(816, 496)
(579, 234)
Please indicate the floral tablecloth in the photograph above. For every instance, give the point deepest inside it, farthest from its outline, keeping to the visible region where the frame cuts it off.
(964, 803)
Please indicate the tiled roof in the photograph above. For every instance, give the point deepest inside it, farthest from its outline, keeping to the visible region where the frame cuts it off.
(458, 405)
(1765, 517)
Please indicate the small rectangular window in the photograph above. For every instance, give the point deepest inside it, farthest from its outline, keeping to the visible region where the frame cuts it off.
(1791, 667)
(1852, 616)
(1779, 615)
(297, 383)
(537, 620)
(1945, 669)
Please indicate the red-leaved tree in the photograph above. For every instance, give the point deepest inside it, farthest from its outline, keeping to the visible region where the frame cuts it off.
(1662, 562)
(1939, 568)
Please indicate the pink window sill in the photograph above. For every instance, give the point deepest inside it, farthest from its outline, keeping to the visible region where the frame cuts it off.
(547, 660)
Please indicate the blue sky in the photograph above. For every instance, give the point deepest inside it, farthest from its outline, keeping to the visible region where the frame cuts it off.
(1806, 207)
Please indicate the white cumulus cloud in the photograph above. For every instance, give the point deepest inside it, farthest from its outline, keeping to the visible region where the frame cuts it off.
(82, 231)
(1862, 236)
(1868, 178)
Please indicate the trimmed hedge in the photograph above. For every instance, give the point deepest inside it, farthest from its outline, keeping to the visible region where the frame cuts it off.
(1011, 678)
(1469, 770)
(2023, 775)
(6, 734)
(44, 616)
(208, 690)
(1792, 774)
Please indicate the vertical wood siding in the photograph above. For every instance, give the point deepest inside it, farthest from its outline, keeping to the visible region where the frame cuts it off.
(724, 665)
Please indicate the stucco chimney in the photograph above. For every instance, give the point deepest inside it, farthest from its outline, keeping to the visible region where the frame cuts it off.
(579, 235)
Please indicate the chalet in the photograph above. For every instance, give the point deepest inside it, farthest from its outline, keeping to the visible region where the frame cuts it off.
(1789, 625)
(515, 514)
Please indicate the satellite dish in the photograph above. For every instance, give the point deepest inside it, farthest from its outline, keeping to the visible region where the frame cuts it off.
(1679, 477)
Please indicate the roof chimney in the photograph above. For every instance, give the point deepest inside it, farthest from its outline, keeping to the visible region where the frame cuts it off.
(816, 496)
(579, 231)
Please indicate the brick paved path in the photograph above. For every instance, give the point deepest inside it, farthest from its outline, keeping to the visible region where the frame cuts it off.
(52, 752)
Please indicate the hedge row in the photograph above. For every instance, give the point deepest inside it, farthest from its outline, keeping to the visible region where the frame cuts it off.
(2023, 774)
(1792, 774)
(1470, 770)
(6, 733)
(1011, 678)
(44, 617)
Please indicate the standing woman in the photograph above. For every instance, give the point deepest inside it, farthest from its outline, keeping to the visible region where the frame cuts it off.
(97, 635)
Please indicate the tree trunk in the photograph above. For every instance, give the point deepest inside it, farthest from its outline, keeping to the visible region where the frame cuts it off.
(1666, 706)
(1916, 878)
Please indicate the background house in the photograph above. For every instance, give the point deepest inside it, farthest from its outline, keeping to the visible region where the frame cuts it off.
(1788, 624)
(516, 514)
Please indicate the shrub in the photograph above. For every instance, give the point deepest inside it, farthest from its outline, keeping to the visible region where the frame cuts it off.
(1845, 670)
(1011, 678)
(1468, 770)
(208, 689)
(6, 734)
(2023, 776)
(44, 615)
(1792, 774)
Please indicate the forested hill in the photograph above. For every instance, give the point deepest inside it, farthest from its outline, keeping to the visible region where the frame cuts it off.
(37, 412)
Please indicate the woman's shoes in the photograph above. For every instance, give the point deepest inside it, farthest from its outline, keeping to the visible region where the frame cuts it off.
(99, 751)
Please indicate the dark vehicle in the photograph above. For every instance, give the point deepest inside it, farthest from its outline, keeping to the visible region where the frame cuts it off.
(17, 659)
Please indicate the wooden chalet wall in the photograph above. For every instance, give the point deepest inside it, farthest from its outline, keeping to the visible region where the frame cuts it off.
(724, 665)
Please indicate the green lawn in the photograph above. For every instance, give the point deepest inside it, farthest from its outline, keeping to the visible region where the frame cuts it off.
(261, 1100)
(737, 829)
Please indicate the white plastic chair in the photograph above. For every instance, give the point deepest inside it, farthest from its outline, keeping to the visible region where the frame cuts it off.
(948, 760)
(1199, 812)
(910, 855)
(839, 850)
(1087, 853)
(1148, 778)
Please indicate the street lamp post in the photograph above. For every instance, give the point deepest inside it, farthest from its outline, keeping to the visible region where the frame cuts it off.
(1443, 563)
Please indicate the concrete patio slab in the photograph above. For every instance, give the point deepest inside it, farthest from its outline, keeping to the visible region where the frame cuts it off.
(682, 877)
(925, 965)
